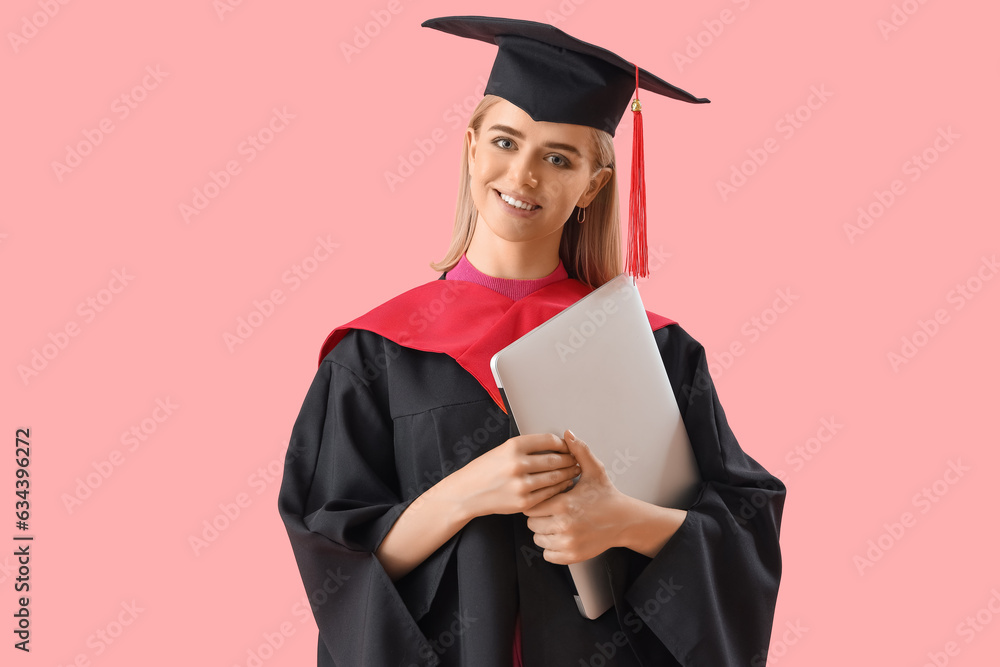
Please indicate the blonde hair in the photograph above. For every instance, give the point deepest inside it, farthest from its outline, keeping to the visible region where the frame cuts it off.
(590, 252)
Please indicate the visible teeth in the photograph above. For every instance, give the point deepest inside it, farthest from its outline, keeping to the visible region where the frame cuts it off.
(517, 203)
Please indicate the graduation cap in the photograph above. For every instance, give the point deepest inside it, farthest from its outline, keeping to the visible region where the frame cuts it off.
(558, 78)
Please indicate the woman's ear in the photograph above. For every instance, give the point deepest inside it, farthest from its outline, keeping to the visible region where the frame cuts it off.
(599, 180)
(470, 136)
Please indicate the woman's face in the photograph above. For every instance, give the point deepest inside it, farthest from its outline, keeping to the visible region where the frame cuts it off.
(528, 176)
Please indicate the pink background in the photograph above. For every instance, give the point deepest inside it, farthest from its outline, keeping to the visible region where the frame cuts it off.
(887, 95)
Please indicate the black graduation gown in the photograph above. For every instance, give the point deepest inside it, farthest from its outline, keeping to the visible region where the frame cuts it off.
(381, 423)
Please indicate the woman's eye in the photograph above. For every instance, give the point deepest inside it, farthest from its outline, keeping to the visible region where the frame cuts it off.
(503, 143)
(559, 160)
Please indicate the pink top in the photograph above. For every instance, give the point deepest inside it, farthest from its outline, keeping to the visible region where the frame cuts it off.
(511, 288)
(517, 641)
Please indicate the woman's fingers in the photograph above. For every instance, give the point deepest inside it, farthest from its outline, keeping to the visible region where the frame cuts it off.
(545, 525)
(517, 475)
(544, 451)
(544, 493)
(547, 478)
(534, 443)
(536, 463)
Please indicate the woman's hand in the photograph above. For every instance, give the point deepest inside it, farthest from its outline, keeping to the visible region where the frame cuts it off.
(595, 516)
(514, 476)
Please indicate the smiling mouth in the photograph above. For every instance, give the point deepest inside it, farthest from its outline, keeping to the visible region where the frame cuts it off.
(517, 203)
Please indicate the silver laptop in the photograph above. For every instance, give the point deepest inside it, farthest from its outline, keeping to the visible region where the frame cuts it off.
(595, 369)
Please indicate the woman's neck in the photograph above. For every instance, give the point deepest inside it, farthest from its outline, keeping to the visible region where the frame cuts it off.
(517, 261)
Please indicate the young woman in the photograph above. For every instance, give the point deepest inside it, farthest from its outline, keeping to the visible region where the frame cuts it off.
(426, 533)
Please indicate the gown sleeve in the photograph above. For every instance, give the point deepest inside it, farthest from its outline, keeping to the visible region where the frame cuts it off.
(714, 585)
(339, 497)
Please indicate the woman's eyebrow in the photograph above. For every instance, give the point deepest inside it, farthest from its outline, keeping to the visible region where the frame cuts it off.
(517, 134)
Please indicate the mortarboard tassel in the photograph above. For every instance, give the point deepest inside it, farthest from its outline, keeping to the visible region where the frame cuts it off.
(636, 256)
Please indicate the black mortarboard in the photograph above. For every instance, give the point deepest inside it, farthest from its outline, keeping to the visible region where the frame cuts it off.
(558, 78)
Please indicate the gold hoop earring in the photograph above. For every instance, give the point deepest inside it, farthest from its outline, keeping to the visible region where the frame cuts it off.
(581, 214)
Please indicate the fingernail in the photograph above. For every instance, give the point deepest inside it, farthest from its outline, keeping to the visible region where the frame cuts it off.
(572, 436)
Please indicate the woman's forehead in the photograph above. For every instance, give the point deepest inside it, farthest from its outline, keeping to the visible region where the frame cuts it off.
(510, 115)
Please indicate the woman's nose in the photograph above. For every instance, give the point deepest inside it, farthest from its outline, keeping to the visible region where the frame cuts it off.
(521, 172)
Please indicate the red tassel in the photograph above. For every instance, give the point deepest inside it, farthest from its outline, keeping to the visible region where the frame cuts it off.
(636, 256)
